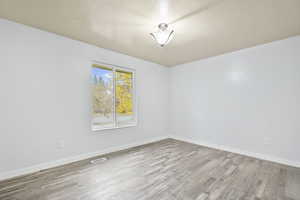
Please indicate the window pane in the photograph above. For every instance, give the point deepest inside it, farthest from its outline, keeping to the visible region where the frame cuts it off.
(124, 98)
(102, 94)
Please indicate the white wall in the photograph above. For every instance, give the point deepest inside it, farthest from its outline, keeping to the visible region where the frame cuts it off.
(247, 101)
(45, 98)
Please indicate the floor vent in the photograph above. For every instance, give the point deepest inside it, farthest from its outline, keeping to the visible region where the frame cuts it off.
(98, 160)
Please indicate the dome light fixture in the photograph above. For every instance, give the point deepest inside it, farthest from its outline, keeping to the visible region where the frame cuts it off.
(163, 35)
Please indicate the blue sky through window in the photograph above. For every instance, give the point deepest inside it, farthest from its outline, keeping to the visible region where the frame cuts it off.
(104, 74)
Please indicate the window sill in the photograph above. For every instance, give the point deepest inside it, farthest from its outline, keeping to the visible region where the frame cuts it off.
(110, 128)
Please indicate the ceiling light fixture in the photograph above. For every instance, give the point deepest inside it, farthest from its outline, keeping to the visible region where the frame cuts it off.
(163, 35)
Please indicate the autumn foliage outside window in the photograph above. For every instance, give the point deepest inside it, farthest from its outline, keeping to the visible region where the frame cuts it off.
(113, 97)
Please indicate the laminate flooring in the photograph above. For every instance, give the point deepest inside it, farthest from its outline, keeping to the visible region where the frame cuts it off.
(164, 170)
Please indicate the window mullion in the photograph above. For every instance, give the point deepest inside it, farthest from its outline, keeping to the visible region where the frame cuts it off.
(114, 97)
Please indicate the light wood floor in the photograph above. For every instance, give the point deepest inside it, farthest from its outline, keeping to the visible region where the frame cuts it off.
(165, 170)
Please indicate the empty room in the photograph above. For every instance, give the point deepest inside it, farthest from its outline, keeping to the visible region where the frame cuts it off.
(150, 99)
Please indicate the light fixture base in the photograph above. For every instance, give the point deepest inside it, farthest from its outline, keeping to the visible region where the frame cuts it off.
(163, 26)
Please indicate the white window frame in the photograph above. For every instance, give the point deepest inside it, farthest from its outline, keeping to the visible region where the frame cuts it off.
(114, 69)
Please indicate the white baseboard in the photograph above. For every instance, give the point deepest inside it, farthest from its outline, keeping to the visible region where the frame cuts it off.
(36, 168)
(42, 166)
(241, 152)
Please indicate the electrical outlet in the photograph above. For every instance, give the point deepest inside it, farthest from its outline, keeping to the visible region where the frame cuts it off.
(267, 141)
(61, 144)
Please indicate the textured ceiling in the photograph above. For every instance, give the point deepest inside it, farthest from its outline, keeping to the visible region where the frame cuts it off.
(203, 28)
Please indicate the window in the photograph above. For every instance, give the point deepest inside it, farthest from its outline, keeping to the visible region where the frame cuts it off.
(113, 94)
